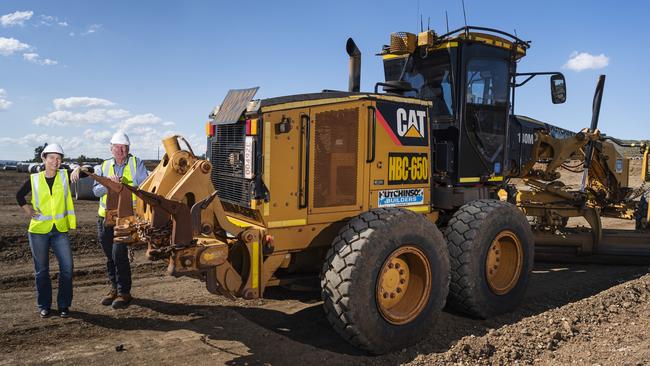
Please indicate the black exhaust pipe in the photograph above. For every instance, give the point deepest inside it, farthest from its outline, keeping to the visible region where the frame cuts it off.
(354, 82)
(595, 113)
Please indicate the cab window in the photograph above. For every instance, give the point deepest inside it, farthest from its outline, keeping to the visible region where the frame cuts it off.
(486, 106)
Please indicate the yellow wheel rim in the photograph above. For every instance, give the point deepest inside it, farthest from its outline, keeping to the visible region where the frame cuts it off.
(404, 285)
(505, 259)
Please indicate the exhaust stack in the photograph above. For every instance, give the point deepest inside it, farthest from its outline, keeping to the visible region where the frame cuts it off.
(355, 65)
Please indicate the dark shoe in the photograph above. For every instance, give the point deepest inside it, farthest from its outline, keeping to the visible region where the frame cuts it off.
(122, 301)
(64, 313)
(110, 297)
(44, 313)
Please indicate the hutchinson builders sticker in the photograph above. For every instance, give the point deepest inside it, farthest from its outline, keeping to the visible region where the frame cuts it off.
(401, 197)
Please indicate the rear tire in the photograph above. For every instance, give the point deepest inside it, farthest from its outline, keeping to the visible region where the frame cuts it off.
(491, 249)
(385, 280)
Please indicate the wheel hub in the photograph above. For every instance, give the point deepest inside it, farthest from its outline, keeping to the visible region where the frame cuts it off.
(404, 285)
(394, 282)
(504, 262)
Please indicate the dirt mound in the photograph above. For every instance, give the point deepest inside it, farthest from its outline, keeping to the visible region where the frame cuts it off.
(578, 329)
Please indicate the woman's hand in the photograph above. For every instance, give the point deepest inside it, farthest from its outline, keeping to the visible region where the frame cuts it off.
(29, 211)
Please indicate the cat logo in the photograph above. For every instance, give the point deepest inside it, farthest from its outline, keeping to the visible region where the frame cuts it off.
(405, 124)
(410, 123)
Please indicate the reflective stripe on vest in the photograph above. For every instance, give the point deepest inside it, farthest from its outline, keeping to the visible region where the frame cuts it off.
(55, 207)
(128, 176)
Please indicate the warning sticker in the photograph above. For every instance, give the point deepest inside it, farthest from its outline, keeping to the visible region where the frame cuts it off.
(401, 197)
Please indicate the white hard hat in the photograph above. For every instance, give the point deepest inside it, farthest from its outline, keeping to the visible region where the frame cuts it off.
(120, 138)
(52, 148)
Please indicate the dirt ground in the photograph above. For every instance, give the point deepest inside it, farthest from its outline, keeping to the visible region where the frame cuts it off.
(583, 314)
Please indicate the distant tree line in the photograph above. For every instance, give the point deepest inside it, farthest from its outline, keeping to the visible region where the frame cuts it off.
(81, 159)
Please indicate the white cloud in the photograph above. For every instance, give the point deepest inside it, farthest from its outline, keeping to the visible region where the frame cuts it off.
(99, 136)
(15, 19)
(34, 140)
(146, 119)
(48, 21)
(101, 118)
(36, 59)
(579, 61)
(76, 102)
(93, 28)
(92, 116)
(4, 103)
(9, 46)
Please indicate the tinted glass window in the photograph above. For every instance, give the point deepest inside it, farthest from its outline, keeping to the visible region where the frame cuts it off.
(429, 76)
(486, 102)
(487, 82)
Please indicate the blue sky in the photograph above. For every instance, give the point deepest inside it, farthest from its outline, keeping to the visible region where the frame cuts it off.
(74, 72)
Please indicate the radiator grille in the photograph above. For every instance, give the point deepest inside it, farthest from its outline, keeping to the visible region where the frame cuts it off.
(335, 160)
(227, 157)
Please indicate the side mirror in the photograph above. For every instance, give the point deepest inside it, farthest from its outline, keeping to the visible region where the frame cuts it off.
(558, 89)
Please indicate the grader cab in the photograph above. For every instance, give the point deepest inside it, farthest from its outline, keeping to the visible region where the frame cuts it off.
(400, 202)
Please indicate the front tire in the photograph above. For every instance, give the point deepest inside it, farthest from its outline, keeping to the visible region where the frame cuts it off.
(385, 279)
(491, 249)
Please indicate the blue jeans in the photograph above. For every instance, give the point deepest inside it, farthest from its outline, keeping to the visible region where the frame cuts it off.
(40, 245)
(117, 259)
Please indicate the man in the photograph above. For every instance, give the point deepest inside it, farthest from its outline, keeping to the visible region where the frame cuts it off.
(124, 168)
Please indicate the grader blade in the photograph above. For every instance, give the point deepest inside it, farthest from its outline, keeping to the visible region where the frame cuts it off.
(624, 247)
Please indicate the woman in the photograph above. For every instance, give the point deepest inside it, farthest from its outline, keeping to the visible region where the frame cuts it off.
(52, 215)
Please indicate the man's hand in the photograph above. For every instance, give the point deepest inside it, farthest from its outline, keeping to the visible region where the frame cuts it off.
(74, 176)
(115, 178)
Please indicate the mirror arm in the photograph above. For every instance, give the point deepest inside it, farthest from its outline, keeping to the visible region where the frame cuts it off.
(532, 75)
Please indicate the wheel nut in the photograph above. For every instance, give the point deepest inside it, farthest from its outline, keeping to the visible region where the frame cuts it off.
(397, 265)
(402, 281)
(398, 290)
(385, 295)
(401, 272)
(392, 295)
(390, 265)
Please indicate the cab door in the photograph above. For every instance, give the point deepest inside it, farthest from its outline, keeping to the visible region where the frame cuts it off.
(486, 85)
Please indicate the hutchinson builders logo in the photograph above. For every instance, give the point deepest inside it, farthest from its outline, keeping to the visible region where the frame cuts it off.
(401, 197)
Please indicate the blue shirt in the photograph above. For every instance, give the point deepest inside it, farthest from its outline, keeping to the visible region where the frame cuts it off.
(141, 174)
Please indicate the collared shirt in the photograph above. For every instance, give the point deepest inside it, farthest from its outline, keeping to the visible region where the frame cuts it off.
(141, 174)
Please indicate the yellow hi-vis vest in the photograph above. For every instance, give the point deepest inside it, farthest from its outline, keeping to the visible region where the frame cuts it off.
(56, 208)
(127, 177)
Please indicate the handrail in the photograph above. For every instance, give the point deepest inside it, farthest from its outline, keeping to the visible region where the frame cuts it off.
(303, 188)
(372, 134)
(466, 29)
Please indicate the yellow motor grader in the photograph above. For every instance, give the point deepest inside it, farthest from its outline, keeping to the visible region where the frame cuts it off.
(401, 200)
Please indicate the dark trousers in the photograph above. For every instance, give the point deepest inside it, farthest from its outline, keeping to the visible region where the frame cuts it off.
(117, 259)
